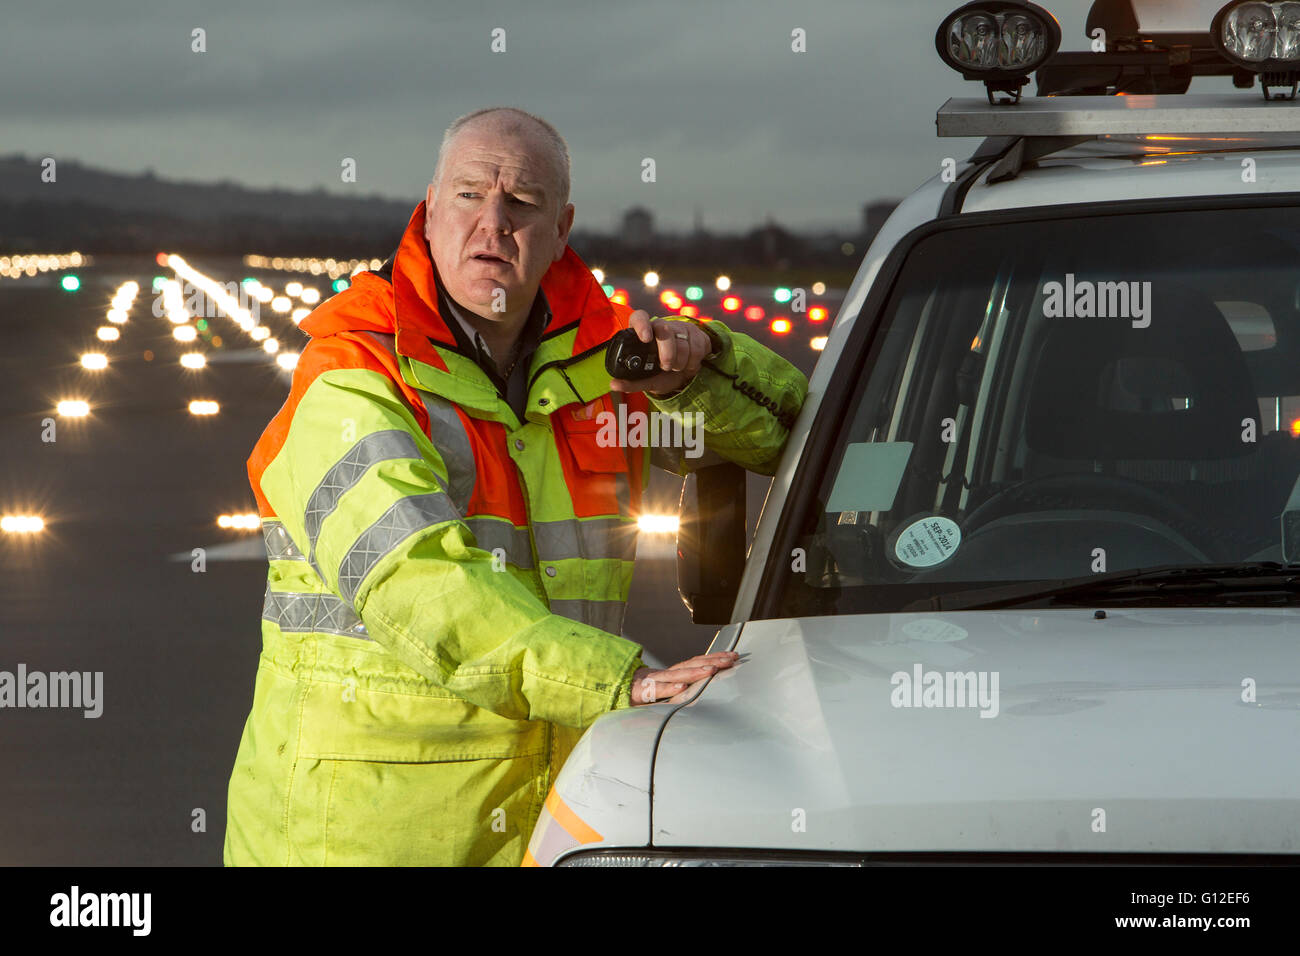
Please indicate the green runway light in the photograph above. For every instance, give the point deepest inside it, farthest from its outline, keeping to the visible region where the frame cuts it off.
(340, 284)
(609, 289)
(201, 324)
(781, 294)
(158, 282)
(70, 283)
(248, 280)
(694, 293)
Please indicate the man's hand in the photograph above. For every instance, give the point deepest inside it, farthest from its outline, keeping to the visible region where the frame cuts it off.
(649, 685)
(682, 347)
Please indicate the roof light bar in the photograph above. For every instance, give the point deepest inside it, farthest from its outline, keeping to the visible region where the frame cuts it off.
(999, 42)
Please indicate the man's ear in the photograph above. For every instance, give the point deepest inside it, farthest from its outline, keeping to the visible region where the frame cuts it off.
(564, 226)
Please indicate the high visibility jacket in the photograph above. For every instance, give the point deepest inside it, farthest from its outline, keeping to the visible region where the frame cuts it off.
(446, 582)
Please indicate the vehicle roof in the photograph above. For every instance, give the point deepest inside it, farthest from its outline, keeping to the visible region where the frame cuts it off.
(1120, 167)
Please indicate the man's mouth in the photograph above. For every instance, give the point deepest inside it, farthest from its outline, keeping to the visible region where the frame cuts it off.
(488, 257)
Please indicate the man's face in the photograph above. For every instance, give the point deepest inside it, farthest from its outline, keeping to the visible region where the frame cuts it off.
(495, 221)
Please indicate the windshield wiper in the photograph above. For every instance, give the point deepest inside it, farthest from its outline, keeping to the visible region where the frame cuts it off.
(1172, 582)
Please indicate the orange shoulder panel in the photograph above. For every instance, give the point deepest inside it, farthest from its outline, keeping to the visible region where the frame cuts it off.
(342, 350)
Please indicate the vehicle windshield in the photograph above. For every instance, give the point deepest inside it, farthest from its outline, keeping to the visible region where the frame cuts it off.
(1061, 400)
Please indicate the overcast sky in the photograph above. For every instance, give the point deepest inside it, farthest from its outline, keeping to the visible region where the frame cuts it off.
(737, 123)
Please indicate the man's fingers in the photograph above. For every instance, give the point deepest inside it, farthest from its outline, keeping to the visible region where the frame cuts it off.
(639, 322)
(718, 658)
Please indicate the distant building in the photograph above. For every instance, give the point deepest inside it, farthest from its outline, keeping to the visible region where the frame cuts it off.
(638, 227)
(874, 215)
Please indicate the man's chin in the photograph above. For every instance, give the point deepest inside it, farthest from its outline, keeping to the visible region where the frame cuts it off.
(483, 294)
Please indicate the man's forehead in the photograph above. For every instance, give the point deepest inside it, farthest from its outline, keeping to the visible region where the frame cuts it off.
(480, 156)
(486, 173)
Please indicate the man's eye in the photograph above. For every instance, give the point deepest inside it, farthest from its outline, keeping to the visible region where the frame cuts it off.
(522, 202)
(467, 194)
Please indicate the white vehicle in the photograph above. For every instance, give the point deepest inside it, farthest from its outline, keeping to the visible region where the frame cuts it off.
(1026, 583)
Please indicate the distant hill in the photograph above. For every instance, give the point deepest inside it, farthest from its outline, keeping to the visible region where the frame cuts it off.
(96, 210)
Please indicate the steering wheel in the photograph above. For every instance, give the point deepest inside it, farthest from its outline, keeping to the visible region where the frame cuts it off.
(1078, 489)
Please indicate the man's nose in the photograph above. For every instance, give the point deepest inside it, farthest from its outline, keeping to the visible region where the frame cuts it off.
(495, 216)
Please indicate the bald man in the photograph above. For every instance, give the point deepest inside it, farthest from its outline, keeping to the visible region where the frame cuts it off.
(450, 541)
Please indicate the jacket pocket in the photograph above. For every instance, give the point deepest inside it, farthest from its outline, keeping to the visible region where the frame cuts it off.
(367, 716)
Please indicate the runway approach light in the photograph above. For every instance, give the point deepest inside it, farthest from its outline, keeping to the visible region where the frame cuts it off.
(310, 295)
(185, 333)
(657, 524)
(107, 333)
(193, 360)
(651, 279)
(818, 343)
(21, 524)
(288, 360)
(598, 275)
(293, 288)
(95, 360)
(202, 406)
(244, 522)
(723, 283)
(271, 346)
(73, 408)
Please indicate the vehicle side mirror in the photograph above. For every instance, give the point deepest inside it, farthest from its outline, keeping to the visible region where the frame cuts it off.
(711, 541)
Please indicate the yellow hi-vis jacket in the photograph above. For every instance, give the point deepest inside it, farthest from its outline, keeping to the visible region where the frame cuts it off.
(446, 583)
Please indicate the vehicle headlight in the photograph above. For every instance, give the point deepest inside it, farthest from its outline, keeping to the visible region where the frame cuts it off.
(626, 857)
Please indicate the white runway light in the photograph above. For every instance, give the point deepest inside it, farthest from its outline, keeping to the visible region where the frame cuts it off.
(21, 524)
(658, 524)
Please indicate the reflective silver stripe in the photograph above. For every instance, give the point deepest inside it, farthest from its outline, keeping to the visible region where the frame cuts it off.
(279, 546)
(404, 518)
(493, 533)
(623, 493)
(592, 538)
(447, 432)
(606, 615)
(375, 447)
(307, 613)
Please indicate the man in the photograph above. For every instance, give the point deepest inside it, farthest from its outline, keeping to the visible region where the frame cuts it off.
(450, 546)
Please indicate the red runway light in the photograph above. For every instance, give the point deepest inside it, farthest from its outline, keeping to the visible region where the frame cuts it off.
(780, 326)
(731, 304)
(817, 314)
(754, 313)
(689, 310)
